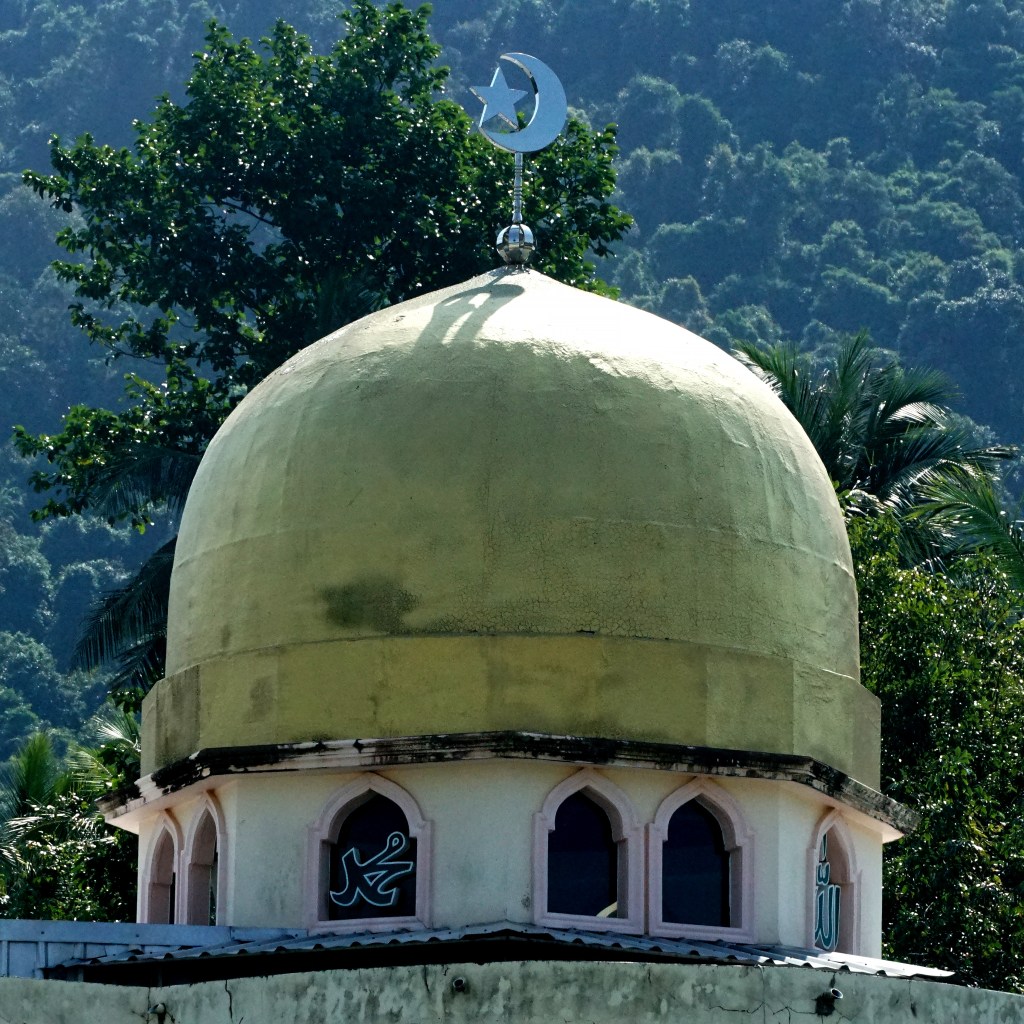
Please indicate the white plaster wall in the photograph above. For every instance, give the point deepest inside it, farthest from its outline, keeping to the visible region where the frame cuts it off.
(482, 836)
(228, 798)
(482, 814)
(801, 810)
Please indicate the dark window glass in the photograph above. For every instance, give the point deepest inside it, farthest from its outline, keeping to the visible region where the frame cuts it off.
(211, 916)
(583, 861)
(695, 869)
(163, 883)
(202, 874)
(373, 864)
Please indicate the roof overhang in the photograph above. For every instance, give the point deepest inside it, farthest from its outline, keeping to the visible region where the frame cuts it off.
(208, 768)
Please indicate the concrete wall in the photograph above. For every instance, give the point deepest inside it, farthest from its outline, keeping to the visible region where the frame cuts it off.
(523, 993)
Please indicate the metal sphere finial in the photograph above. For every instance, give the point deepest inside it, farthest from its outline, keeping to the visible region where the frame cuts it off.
(516, 245)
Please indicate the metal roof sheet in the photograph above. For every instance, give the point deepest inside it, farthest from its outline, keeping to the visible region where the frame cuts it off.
(680, 950)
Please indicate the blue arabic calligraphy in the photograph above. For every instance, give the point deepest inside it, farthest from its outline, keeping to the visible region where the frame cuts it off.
(827, 896)
(373, 880)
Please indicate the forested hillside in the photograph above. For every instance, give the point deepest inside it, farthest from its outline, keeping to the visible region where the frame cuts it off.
(794, 169)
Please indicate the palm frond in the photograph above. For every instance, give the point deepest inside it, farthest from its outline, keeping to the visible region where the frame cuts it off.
(781, 367)
(115, 760)
(789, 374)
(927, 392)
(885, 436)
(139, 667)
(128, 616)
(143, 475)
(32, 777)
(902, 467)
(971, 513)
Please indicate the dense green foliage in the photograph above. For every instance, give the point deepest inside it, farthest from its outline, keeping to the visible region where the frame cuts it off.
(73, 866)
(58, 859)
(47, 576)
(946, 658)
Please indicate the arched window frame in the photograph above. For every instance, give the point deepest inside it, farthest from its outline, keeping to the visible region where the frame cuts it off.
(739, 843)
(164, 825)
(628, 835)
(208, 806)
(318, 865)
(849, 919)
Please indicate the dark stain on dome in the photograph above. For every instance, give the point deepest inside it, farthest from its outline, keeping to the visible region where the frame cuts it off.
(378, 603)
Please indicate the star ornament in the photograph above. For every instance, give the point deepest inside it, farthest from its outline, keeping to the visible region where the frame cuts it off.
(498, 100)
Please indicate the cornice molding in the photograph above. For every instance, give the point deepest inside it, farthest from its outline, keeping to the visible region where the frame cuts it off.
(370, 754)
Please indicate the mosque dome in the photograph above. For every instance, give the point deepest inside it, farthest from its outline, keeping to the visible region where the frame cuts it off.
(514, 506)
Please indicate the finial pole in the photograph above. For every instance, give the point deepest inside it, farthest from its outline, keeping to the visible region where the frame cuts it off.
(515, 243)
(517, 191)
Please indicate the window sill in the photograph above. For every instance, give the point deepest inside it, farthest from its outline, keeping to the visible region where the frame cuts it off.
(700, 932)
(620, 925)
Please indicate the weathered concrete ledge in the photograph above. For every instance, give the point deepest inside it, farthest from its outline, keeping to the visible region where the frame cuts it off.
(531, 992)
(382, 753)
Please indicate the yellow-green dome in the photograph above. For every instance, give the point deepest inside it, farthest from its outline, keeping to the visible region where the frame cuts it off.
(512, 505)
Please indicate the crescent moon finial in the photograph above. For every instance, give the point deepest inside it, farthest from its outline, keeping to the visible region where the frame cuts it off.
(499, 123)
(498, 120)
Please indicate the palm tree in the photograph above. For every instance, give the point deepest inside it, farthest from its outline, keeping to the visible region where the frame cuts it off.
(127, 627)
(884, 432)
(57, 857)
(33, 778)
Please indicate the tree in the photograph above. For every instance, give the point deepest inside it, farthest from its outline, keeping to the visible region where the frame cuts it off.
(114, 764)
(946, 658)
(291, 194)
(58, 859)
(33, 776)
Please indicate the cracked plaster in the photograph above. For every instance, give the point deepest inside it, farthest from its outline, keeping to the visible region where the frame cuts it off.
(517, 993)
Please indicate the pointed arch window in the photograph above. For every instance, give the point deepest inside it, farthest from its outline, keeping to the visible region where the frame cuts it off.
(372, 863)
(695, 869)
(204, 865)
(700, 854)
(158, 893)
(587, 857)
(370, 852)
(583, 860)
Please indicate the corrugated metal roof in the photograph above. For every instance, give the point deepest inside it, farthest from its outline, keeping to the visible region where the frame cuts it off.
(623, 946)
